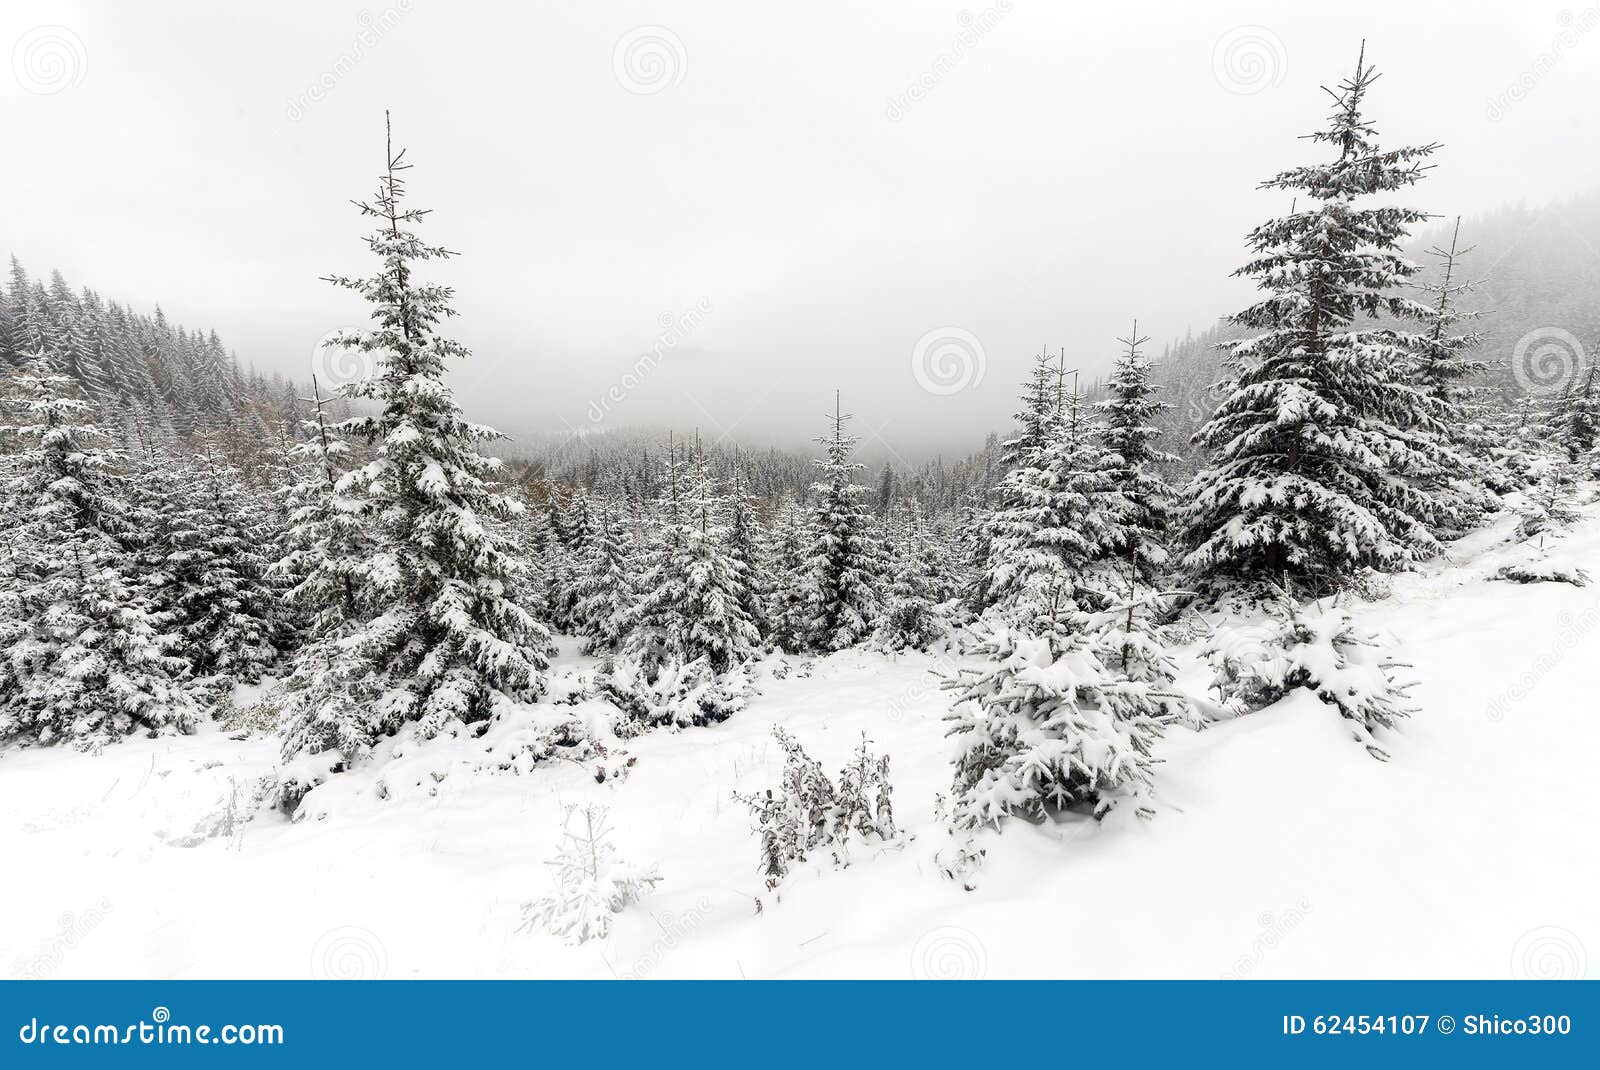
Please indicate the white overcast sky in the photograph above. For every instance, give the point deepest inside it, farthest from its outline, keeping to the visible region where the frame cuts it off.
(1075, 167)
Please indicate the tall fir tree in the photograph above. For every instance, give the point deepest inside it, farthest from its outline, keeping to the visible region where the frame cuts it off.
(845, 567)
(444, 640)
(786, 603)
(747, 548)
(1322, 451)
(1131, 420)
(605, 590)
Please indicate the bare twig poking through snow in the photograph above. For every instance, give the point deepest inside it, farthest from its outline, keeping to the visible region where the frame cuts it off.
(809, 811)
(592, 883)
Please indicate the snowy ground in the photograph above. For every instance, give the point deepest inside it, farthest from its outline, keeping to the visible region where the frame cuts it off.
(1281, 849)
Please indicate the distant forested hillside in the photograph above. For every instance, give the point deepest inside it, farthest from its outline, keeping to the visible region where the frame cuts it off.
(149, 377)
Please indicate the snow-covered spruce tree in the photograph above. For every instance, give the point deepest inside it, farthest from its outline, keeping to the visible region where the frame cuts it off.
(605, 595)
(746, 548)
(1134, 648)
(1036, 419)
(1129, 418)
(438, 637)
(845, 567)
(1322, 451)
(1037, 422)
(80, 658)
(326, 547)
(210, 582)
(910, 618)
(572, 525)
(563, 563)
(532, 541)
(1045, 727)
(1048, 547)
(786, 605)
(591, 882)
(696, 594)
(1521, 440)
(1443, 357)
(1575, 421)
(1551, 500)
(972, 545)
(688, 636)
(1444, 366)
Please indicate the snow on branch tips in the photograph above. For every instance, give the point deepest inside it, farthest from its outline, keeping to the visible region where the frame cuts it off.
(591, 882)
(1320, 647)
(808, 811)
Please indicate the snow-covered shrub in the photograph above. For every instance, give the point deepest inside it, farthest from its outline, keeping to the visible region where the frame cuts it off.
(672, 693)
(208, 804)
(1540, 567)
(263, 715)
(1046, 727)
(1319, 647)
(1550, 503)
(592, 883)
(809, 811)
(416, 763)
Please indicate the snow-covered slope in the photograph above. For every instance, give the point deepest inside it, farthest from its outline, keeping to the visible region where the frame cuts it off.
(1280, 848)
